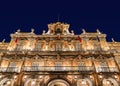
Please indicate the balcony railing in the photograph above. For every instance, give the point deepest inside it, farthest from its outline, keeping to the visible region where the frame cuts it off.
(9, 69)
(107, 69)
(59, 68)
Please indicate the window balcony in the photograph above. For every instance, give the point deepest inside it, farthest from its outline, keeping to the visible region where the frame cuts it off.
(58, 68)
(9, 69)
(107, 69)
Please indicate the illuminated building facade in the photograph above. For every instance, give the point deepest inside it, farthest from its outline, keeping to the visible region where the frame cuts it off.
(59, 58)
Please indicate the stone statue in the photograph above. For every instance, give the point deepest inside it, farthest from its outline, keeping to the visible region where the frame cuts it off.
(72, 32)
(98, 31)
(112, 39)
(83, 31)
(3, 40)
(43, 32)
(18, 31)
(32, 30)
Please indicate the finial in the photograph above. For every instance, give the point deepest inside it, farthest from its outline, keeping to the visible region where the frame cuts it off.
(3, 40)
(43, 32)
(18, 30)
(32, 30)
(98, 31)
(84, 31)
(72, 32)
(112, 39)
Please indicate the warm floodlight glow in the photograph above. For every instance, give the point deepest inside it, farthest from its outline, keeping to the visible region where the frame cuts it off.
(40, 77)
(33, 82)
(83, 82)
(25, 77)
(108, 82)
(8, 82)
(15, 77)
(100, 76)
(0, 76)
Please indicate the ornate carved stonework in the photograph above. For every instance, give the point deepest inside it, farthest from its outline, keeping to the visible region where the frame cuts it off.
(59, 58)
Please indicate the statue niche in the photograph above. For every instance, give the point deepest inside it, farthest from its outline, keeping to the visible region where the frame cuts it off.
(58, 31)
(58, 28)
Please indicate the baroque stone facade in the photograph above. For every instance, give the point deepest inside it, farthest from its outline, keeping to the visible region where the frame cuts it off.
(59, 58)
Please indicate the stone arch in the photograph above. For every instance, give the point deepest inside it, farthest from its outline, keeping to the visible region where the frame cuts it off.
(60, 82)
(6, 79)
(85, 81)
(110, 81)
(28, 81)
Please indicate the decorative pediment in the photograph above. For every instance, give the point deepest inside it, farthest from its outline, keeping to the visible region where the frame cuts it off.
(58, 28)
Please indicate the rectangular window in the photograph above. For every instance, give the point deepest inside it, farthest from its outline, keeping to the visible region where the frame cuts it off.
(58, 47)
(12, 64)
(81, 66)
(58, 66)
(77, 47)
(12, 67)
(103, 67)
(35, 66)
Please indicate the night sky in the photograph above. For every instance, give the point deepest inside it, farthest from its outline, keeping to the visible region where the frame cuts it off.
(79, 14)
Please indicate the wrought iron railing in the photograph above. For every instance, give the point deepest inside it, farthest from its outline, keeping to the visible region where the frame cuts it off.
(9, 69)
(107, 69)
(59, 68)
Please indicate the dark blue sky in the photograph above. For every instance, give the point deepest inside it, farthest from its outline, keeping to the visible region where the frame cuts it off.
(79, 14)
